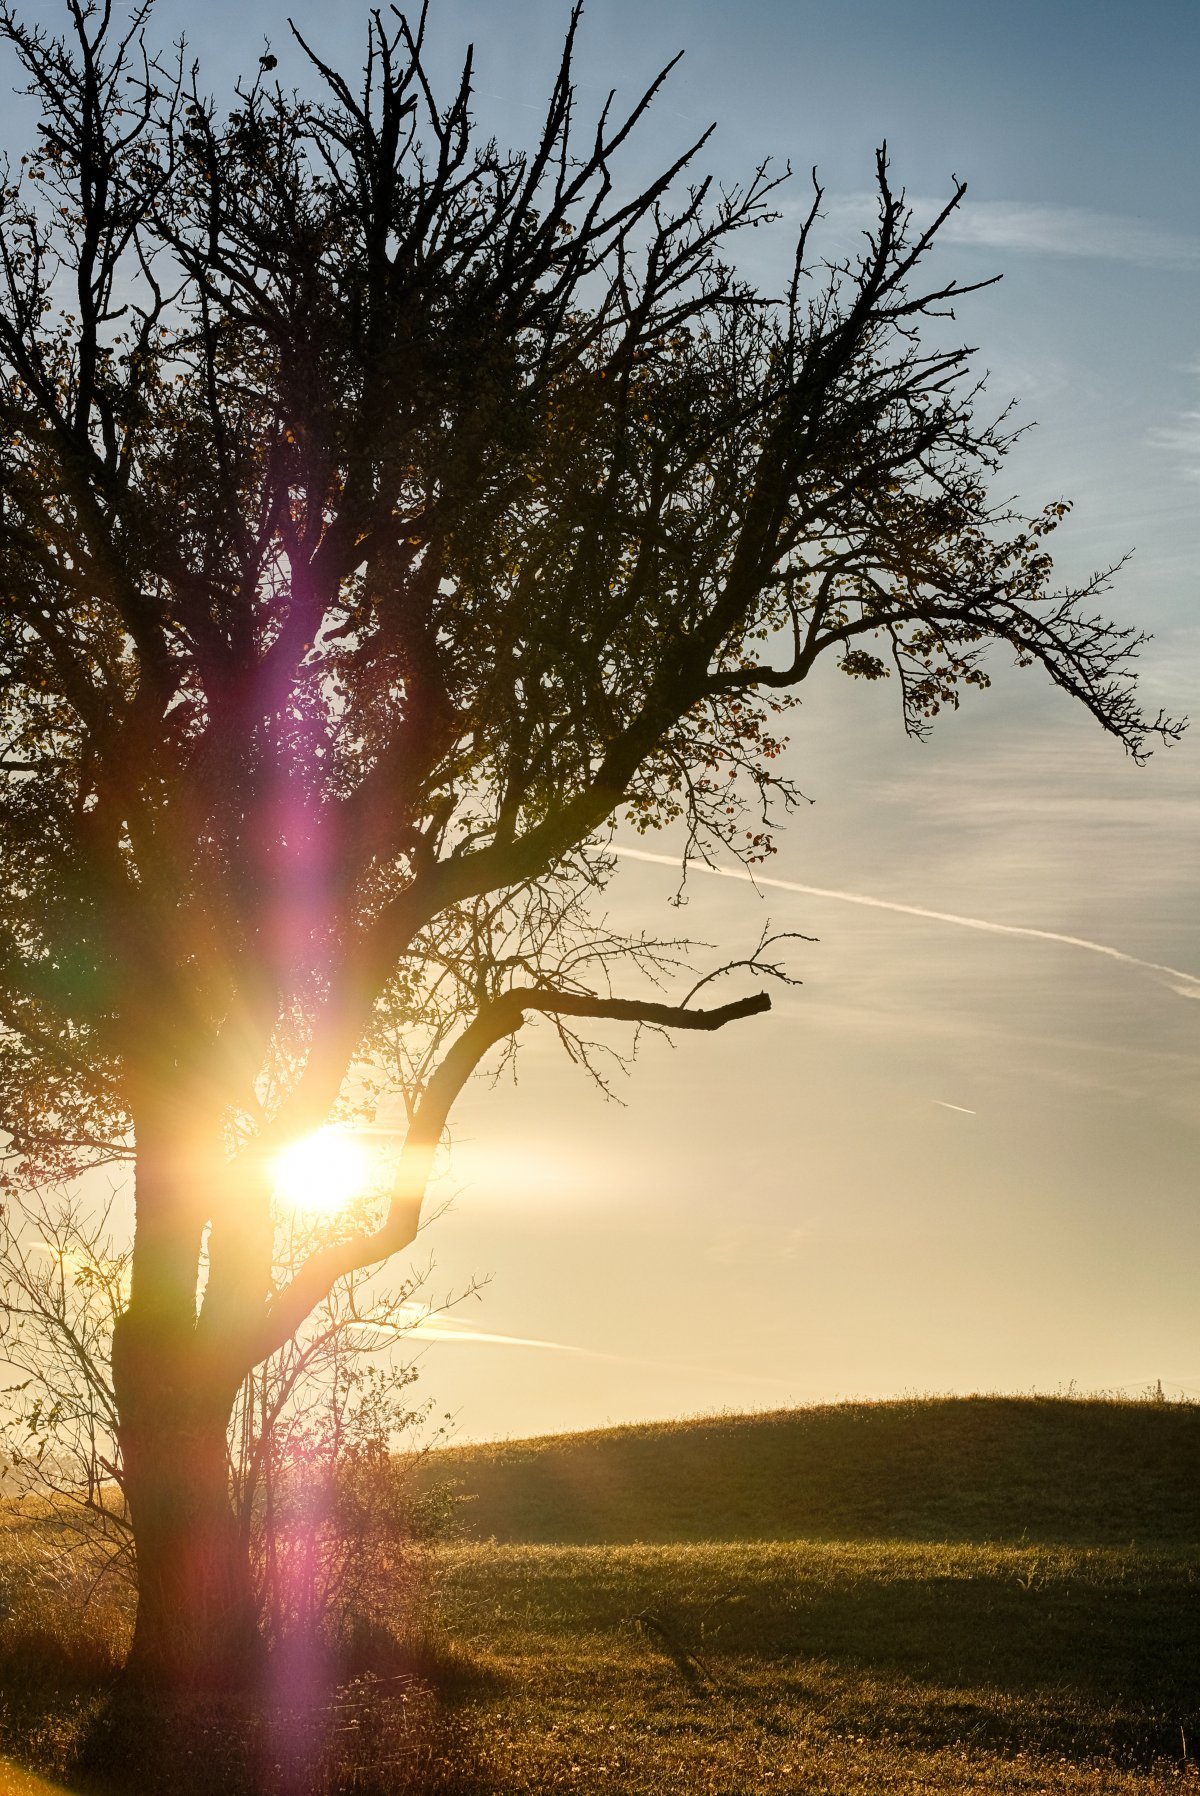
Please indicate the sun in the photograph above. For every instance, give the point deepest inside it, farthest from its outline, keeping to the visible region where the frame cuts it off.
(322, 1173)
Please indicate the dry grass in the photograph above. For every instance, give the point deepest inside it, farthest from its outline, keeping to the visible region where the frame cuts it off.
(976, 1468)
(982, 1622)
(825, 1668)
(63, 1636)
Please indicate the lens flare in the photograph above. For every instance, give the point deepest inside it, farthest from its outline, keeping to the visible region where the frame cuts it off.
(322, 1173)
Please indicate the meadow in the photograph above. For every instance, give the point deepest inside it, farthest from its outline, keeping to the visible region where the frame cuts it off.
(994, 1595)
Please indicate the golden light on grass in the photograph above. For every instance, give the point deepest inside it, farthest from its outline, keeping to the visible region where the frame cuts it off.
(16, 1782)
(322, 1173)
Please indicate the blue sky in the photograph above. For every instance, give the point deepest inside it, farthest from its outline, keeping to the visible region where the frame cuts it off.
(953, 1160)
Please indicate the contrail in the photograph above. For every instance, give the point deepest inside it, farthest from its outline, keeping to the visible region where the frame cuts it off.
(961, 1108)
(440, 1328)
(914, 910)
(449, 1328)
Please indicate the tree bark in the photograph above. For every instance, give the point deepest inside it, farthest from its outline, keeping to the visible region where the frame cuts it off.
(196, 1626)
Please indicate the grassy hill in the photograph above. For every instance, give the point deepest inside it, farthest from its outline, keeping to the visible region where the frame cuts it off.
(956, 1469)
(976, 1597)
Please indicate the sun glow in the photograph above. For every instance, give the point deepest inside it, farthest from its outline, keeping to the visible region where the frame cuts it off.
(322, 1173)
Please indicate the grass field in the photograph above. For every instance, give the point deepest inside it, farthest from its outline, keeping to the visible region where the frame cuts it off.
(963, 1469)
(987, 1595)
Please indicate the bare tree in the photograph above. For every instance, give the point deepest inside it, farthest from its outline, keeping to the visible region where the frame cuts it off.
(324, 1440)
(63, 1283)
(384, 515)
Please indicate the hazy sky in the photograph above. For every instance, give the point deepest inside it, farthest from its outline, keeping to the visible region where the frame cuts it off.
(954, 1159)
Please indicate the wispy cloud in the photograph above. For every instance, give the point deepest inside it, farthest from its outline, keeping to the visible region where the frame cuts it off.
(1189, 980)
(1036, 229)
(430, 1326)
(433, 1326)
(1070, 231)
(1180, 438)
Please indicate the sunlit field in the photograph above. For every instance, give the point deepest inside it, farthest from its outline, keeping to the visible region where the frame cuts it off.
(986, 1595)
(838, 1666)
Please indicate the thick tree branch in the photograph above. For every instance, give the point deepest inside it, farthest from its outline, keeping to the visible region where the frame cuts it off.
(501, 1018)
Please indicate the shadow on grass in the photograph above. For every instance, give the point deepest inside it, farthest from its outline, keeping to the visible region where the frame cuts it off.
(940, 1662)
(1074, 1654)
(1064, 1470)
(356, 1723)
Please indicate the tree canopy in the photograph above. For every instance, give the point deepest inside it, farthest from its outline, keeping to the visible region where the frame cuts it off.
(385, 515)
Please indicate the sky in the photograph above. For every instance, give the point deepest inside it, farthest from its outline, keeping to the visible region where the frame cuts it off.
(954, 1159)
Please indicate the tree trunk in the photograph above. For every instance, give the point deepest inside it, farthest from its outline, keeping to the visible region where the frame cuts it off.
(175, 1388)
(196, 1626)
